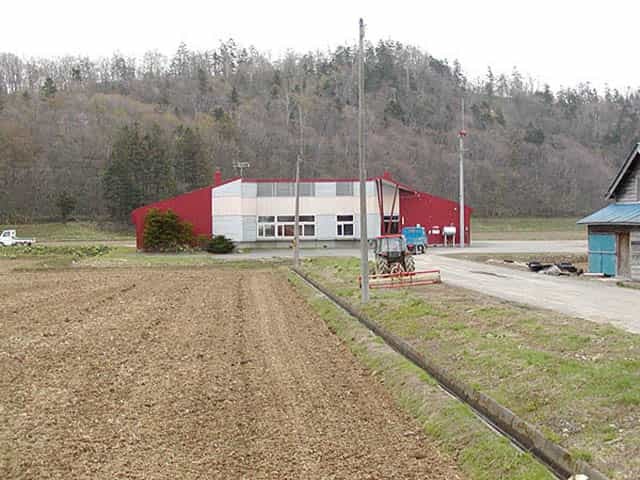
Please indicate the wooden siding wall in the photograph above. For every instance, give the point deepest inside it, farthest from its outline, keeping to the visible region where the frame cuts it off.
(635, 254)
(629, 189)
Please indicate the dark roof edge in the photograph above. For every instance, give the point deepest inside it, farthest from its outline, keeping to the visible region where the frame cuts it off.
(623, 170)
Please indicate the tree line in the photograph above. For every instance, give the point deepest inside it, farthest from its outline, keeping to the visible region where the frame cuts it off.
(114, 133)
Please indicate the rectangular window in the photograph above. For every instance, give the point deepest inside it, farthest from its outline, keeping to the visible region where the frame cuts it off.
(265, 189)
(344, 189)
(344, 225)
(307, 189)
(266, 231)
(285, 189)
(391, 224)
(283, 226)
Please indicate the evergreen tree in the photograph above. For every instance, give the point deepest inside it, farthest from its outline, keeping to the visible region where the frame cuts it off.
(49, 88)
(190, 162)
(121, 190)
(159, 181)
(66, 204)
(139, 171)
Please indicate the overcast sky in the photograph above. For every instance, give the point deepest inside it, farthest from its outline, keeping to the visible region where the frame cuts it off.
(561, 42)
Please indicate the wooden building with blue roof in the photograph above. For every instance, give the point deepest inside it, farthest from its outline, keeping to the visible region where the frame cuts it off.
(614, 231)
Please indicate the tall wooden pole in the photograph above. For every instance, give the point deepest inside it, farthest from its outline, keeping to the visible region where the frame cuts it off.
(461, 136)
(364, 246)
(296, 226)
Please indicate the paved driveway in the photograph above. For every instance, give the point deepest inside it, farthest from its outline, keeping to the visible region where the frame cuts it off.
(591, 299)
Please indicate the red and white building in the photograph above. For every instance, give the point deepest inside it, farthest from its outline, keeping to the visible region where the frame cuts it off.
(260, 212)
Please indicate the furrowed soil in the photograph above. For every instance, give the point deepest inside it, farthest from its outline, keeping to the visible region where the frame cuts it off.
(189, 373)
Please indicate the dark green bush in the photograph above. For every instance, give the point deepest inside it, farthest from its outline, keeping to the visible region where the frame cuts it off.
(165, 232)
(202, 241)
(220, 244)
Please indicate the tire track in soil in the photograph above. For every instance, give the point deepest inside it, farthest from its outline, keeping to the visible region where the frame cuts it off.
(192, 374)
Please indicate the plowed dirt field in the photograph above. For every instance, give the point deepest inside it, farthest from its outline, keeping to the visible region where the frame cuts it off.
(189, 373)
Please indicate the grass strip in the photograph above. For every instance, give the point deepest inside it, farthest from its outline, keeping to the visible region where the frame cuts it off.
(480, 453)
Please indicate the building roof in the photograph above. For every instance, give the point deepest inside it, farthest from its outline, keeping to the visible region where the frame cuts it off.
(615, 214)
(623, 171)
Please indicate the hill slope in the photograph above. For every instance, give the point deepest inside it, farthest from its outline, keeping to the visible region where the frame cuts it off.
(531, 151)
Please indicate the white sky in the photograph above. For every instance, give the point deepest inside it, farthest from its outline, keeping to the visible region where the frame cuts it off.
(561, 42)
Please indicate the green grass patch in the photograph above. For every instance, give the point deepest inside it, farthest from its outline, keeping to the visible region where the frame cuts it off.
(478, 451)
(527, 228)
(73, 231)
(572, 378)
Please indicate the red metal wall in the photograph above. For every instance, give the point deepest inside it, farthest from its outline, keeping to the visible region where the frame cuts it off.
(193, 207)
(430, 211)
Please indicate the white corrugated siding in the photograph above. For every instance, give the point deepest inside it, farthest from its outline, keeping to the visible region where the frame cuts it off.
(228, 225)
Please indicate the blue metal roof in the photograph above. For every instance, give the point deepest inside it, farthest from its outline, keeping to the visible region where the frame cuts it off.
(617, 213)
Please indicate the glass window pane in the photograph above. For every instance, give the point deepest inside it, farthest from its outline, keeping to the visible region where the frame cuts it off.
(266, 219)
(286, 218)
(348, 229)
(269, 231)
(309, 230)
(307, 218)
(265, 189)
(339, 230)
(307, 189)
(344, 188)
(345, 218)
(284, 189)
(288, 230)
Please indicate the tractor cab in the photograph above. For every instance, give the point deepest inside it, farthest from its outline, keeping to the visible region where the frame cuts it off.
(390, 246)
(395, 266)
(392, 255)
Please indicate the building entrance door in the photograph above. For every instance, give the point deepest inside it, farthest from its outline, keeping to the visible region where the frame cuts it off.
(602, 253)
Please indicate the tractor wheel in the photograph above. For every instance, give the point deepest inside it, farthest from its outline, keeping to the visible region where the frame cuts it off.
(397, 268)
(382, 266)
(410, 263)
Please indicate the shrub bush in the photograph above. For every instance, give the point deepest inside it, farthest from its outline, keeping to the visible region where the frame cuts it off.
(220, 244)
(165, 232)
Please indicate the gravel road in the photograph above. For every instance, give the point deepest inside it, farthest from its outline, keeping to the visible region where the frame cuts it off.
(197, 373)
(590, 299)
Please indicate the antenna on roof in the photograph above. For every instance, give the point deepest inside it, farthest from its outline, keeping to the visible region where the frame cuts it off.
(240, 166)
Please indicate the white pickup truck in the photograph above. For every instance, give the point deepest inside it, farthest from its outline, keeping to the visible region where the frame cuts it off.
(8, 238)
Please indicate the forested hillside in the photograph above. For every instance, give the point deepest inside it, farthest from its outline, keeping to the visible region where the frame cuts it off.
(117, 132)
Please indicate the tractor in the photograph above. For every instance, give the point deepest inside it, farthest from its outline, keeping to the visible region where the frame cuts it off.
(392, 255)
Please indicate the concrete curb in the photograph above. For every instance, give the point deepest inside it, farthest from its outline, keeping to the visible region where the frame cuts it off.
(526, 435)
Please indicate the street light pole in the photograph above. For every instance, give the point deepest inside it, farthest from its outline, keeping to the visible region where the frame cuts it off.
(364, 247)
(461, 136)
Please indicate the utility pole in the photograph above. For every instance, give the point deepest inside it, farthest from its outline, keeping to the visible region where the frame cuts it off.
(296, 226)
(364, 244)
(296, 233)
(461, 136)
